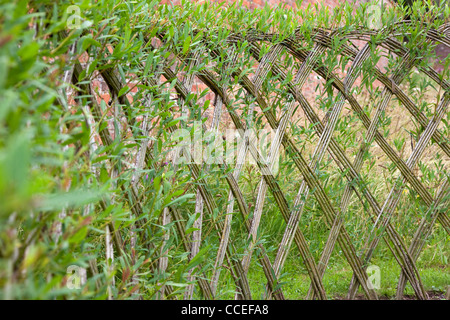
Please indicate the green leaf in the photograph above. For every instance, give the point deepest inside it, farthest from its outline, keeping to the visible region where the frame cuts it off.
(199, 258)
(190, 230)
(186, 44)
(123, 91)
(181, 199)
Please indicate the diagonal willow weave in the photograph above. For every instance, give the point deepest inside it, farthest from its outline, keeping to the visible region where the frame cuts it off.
(311, 186)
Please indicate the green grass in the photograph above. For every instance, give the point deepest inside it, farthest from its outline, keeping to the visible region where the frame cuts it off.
(337, 279)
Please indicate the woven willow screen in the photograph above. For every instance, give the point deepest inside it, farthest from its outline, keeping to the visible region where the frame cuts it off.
(320, 86)
(216, 66)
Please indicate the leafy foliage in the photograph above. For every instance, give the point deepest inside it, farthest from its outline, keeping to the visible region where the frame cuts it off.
(88, 180)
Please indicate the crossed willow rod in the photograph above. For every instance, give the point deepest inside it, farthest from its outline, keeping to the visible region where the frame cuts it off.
(334, 84)
(422, 121)
(107, 140)
(255, 152)
(340, 159)
(394, 196)
(281, 201)
(112, 80)
(242, 155)
(199, 201)
(314, 119)
(390, 44)
(280, 197)
(348, 249)
(264, 260)
(259, 76)
(300, 78)
(335, 111)
(359, 59)
(417, 185)
(188, 81)
(268, 270)
(115, 86)
(440, 206)
(323, 200)
(334, 230)
(442, 145)
(386, 96)
(402, 97)
(420, 147)
(183, 92)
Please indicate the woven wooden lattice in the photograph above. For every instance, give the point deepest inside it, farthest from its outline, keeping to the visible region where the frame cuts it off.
(405, 254)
